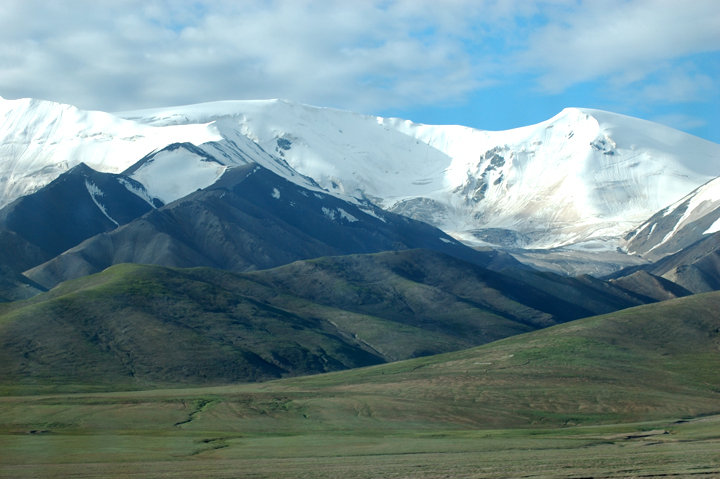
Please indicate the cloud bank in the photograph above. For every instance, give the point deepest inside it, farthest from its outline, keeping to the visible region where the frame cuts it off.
(364, 56)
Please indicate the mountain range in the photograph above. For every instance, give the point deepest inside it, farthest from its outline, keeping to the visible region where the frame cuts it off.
(250, 218)
(582, 177)
(147, 326)
(281, 239)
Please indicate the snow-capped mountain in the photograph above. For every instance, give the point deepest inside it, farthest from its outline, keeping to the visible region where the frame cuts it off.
(584, 175)
(41, 139)
(78, 204)
(679, 225)
(252, 218)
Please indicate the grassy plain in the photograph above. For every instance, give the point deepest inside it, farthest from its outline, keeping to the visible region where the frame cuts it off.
(688, 449)
(231, 432)
(631, 394)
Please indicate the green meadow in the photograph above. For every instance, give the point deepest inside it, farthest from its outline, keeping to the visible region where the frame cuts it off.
(635, 393)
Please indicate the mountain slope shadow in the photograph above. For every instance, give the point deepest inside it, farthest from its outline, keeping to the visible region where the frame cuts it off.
(141, 325)
(253, 219)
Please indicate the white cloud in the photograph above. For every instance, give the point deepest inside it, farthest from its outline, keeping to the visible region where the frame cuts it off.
(126, 54)
(679, 85)
(367, 56)
(621, 40)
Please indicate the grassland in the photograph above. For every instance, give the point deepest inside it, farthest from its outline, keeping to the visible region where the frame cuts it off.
(660, 449)
(143, 327)
(631, 394)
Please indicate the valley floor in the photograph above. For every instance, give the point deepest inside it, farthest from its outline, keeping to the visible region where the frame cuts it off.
(631, 394)
(155, 435)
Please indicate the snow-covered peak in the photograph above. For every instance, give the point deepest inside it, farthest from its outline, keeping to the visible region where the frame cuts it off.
(582, 176)
(252, 110)
(41, 139)
(343, 151)
(176, 171)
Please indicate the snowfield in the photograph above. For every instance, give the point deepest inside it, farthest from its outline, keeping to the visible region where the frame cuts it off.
(583, 176)
(40, 139)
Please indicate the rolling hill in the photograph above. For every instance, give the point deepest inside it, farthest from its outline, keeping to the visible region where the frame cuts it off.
(633, 393)
(649, 362)
(629, 394)
(135, 326)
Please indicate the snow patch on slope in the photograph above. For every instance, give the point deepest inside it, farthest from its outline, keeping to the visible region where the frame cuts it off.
(714, 228)
(369, 211)
(96, 194)
(138, 190)
(347, 216)
(339, 214)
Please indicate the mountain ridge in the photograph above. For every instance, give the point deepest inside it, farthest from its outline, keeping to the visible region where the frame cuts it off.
(251, 218)
(679, 225)
(148, 326)
(455, 166)
(583, 175)
(78, 204)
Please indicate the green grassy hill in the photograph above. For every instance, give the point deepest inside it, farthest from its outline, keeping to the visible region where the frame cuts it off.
(643, 363)
(648, 362)
(634, 393)
(138, 327)
(144, 326)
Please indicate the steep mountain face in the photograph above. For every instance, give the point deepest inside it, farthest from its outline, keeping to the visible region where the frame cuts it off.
(695, 268)
(251, 219)
(679, 225)
(682, 241)
(80, 203)
(77, 205)
(582, 176)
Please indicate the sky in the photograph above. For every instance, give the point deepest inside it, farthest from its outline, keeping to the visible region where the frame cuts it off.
(489, 64)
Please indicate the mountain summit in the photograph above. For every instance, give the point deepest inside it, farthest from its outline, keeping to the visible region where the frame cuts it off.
(583, 178)
(581, 175)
